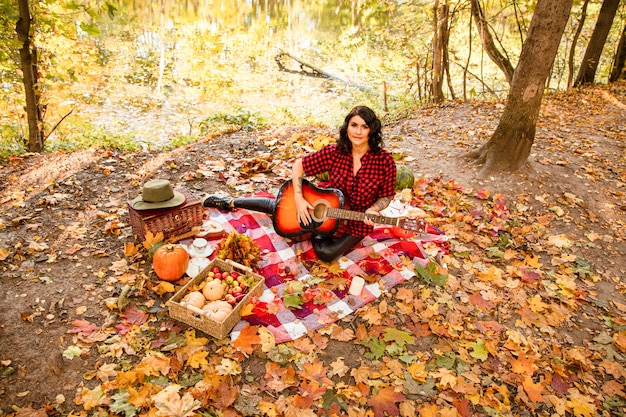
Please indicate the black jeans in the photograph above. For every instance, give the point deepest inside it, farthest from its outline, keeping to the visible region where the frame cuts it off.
(326, 248)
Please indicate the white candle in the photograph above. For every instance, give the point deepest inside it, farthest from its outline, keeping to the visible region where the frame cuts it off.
(356, 286)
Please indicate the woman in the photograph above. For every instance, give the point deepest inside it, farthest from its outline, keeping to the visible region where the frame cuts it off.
(357, 165)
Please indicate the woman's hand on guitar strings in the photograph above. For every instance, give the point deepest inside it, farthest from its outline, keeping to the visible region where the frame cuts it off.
(373, 212)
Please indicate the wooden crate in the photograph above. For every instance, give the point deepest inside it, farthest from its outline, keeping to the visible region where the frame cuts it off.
(195, 317)
(171, 221)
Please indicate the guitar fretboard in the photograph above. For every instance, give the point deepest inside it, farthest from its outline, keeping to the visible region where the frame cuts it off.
(338, 213)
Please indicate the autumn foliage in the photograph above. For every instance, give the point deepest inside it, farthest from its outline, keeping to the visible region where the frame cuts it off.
(485, 339)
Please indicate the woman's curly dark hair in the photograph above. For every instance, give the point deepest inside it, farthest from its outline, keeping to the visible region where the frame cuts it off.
(375, 138)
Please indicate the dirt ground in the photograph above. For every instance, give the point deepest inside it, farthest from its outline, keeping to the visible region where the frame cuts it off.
(59, 240)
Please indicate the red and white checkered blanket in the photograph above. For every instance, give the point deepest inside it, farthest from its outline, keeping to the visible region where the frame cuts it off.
(381, 254)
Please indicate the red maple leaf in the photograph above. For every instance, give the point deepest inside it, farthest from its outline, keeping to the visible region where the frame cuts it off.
(83, 327)
(133, 315)
(480, 302)
(530, 276)
(419, 329)
(385, 402)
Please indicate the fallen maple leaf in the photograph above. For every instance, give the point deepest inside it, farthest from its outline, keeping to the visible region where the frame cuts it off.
(170, 404)
(524, 365)
(581, 405)
(248, 337)
(267, 339)
(613, 388)
(130, 249)
(385, 402)
(151, 239)
(533, 390)
(83, 327)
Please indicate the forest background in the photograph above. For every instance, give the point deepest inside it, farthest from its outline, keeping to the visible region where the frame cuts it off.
(144, 79)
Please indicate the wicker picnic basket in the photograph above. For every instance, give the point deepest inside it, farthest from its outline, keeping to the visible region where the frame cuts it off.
(196, 318)
(172, 221)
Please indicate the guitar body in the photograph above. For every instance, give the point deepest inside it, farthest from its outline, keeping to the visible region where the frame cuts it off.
(285, 220)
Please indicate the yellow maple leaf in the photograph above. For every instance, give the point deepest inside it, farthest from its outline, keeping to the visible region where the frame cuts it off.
(154, 364)
(228, 367)
(536, 304)
(361, 374)
(142, 397)
(339, 367)
(106, 371)
(533, 261)
(192, 340)
(198, 359)
(92, 398)
(429, 410)
(372, 316)
(446, 378)
(246, 310)
(407, 408)
(268, 340)
(341, 334)
(151, 239)
(558, 404)
(492, 274)
(130, 249)
(418, 371)
(126, 379)
(405, 294)
(321, 141)
(164, 287)
(581, 405)
(268, 409)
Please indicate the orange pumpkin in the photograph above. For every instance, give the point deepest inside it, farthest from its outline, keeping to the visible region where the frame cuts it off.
(170, 262)
(213, 290)
(217, 310)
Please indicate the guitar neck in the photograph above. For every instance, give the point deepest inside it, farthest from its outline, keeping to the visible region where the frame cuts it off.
(338, 213)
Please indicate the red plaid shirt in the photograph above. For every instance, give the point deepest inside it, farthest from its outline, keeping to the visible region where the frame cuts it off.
(376, 179)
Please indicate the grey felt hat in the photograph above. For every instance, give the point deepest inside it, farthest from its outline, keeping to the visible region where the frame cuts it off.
(157, 194)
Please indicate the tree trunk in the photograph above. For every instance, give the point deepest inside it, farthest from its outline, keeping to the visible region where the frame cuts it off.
(620, 56)
(488, 44)
(572, 50)
(509, 146)
(589, 64)
(445, 42)
(437, 81)
(28, 59)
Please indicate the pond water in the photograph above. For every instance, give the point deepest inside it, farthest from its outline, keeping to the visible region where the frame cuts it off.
(171, 64)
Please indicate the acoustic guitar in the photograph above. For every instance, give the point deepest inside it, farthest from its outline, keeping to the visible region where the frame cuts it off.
(327, 212)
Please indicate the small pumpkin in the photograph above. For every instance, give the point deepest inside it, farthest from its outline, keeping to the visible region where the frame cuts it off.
(404, 178)
(213, 290)
(195, 298)
(217, 310)
(170, 262)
